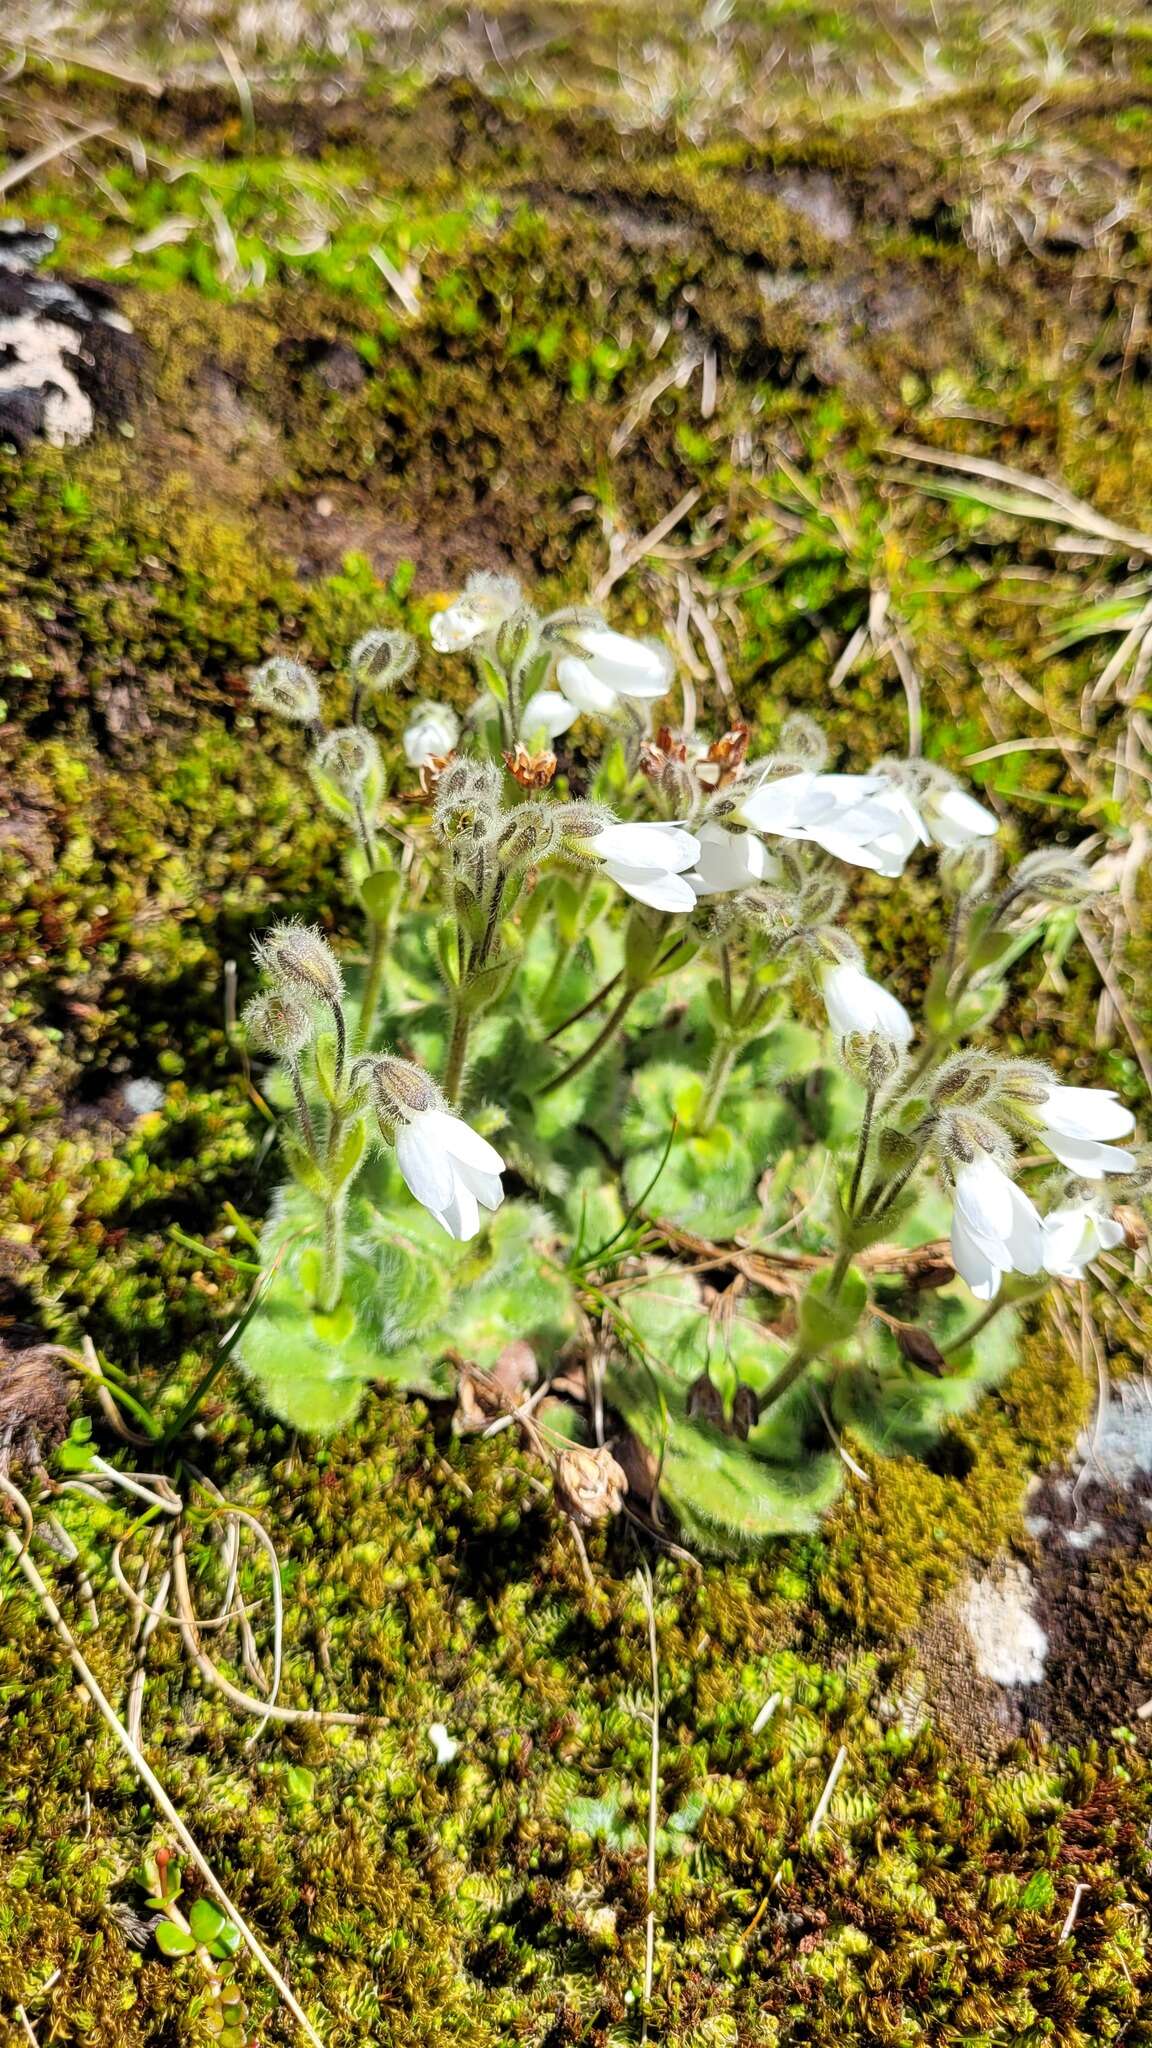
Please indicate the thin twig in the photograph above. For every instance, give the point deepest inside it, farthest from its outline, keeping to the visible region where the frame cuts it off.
(644, 1580)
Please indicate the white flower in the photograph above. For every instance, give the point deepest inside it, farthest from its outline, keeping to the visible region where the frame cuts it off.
(1074, 1235)
(601, 666)
(995, 1228)
(955, 819)
(729, 860)
(444, 1746)
(649, 862)
(450, 1168)
(857, 1003)
(431, 732)
(484, 605)
(861, 819)
(546, 715)
(1072, 1123)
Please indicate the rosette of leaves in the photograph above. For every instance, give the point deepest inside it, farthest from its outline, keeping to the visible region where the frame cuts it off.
(689, 1388)
(413, 1301)
(782, 1102)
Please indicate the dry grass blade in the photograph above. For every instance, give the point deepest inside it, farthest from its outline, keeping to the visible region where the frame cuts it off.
(46, 154)
(148, 1777)
(1038, 499)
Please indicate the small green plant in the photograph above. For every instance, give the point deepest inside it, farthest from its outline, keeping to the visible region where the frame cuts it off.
(206, 1933)
(642, 997)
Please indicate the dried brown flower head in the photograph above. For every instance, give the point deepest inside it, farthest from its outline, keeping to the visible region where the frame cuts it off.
(531, 771)
(590, 1485)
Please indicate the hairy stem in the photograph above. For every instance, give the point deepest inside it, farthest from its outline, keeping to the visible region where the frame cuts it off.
(603, 1037)
(457, 1052)
(302, 1110)
(341, 1045)
(787, 1376)
(333, 1276)
(862, 1151)
(974, 1328)
(724, 1055)
(377, 954)
(593, 1003)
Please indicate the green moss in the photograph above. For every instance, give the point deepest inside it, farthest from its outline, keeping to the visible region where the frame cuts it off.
(154, 828)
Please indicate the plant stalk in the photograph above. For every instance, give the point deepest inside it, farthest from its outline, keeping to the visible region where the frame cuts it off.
(724, 1056)
(457, 1052)
(603, 1037)
(787, 1376)
(862, 1151)
(377, 954)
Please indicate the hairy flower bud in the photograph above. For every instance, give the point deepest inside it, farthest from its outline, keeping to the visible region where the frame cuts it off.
(871, 1058)
(399, 1089)
(963, 1081)
(964, 1135)
(277, 1022)
(822, 896)
(583, 820)
(802, 743)
(1028, 1082)
(970, 870)
(300, 955)
(382, 659)
(525, 835)
(467, 797)
(1055, 874)
(349, 757)
(287, 688)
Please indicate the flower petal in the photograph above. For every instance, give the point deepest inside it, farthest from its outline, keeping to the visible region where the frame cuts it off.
(647, 846)
(1086, 1113)
(549, 712)
(456, 1138)
(425, 1165)
(973, 1262)
(654, 886)
(583, 687)
(1087, 1156)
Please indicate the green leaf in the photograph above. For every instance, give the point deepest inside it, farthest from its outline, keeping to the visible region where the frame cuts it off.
(206, 1920)
(378, 893)
(827, 1319)
(173, 1941)
(729, 1495)
(226, 1942)
(76, 1453)
(411, 1296)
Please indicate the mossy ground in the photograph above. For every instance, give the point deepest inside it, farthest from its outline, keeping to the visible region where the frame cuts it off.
(310, 458)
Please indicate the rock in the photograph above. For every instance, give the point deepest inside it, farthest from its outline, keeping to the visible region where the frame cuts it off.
(69, 360)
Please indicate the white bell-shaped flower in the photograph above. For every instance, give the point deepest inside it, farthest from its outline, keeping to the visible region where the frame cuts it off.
(855, 1002)
(450, 1169)
(545, 716)
(863, 820)
(486, 603)
(431, 732)
(649, 862)
(1074, 1122)
(1076, 1234)
(729, 860)
(955, 819)
(995, 1227)
(600, 666)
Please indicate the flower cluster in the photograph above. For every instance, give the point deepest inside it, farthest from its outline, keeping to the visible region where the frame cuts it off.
(740, 871)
